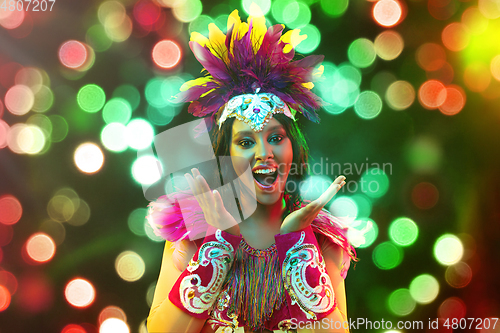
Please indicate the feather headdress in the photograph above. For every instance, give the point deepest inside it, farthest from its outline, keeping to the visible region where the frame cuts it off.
(251, 56)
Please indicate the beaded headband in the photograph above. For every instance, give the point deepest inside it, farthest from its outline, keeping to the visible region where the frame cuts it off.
(254, 109)
(248, 59)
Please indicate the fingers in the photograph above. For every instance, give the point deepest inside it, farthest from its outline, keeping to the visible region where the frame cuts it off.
(219, 205)
(331, 191)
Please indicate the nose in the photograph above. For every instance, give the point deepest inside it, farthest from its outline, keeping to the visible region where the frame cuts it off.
(263, 151)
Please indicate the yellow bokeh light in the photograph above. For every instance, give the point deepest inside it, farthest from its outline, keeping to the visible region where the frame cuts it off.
(130, 266)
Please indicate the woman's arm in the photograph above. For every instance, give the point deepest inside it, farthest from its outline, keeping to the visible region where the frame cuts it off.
(165, 317)
(333, 255)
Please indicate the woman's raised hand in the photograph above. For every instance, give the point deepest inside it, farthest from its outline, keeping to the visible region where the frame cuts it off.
(302, 218)
(211, 203)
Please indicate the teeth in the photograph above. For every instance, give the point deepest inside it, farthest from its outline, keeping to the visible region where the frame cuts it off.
(265, 171)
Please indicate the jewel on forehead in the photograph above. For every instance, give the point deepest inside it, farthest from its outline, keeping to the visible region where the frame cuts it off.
(256, 109)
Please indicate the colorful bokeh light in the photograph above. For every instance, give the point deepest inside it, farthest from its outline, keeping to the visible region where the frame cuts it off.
(166, 54)
(368, 105)
(139, 134)
(432, 94)
(387, 13)
(88, 157)
(19, 99)
(11, 210)
(91, 98)
(387, 255)
(117, 110)
(458, 275)
(40, 248)
(130, 266)
(146, 170)
(424, 288)
(113, 137)
(79, 293)
(403, 231)
(400, 302)
(361, 53)
(400, 95)
(448, 249)
(389, 45)
(114, 325)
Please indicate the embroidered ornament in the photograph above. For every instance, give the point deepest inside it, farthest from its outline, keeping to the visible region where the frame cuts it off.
(255, 109)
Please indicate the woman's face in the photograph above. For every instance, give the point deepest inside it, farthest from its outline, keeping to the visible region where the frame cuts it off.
(269, 153)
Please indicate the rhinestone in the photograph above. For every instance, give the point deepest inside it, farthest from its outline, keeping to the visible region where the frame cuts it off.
(191, 294)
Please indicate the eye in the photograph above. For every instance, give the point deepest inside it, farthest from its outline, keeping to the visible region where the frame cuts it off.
(245, 143)
(276, 138)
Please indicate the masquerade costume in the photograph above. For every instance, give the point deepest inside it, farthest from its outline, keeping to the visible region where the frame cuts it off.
(251, 76)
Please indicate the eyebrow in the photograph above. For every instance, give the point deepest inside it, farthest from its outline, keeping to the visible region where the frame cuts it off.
(277, 127)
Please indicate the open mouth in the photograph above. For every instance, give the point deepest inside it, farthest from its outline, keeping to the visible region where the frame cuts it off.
(266, 177)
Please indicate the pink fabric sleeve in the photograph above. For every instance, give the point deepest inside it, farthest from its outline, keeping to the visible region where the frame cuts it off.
(310, 294)
(197, 287)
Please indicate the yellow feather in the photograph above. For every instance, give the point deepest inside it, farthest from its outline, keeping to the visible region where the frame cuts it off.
(292, 37)
(259, 29)
(308, 85)
(318, 72)
(217, 41)
(199, 38)
(234, 18)
(196, 82)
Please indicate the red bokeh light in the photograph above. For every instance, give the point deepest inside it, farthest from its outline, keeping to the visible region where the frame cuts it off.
(10, 210)
(166, 54)
(387, 13)
(455, 36)
(79, 293)
(6, 234)
(432, 94)
(72, 328)
(430, 56)
(9, 281)
(444, 74)
(35, 293)
(455, 100)
(8, 73)
(425, 195)
(40, 248)
(146, 13)
(4, 298)
(452, 307)
(73, 54)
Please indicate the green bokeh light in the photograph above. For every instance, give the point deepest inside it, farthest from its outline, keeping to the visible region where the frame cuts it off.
(139, 134)
(448, 249)
(424, 155)
(403, 231)
(344, 207)
(364, 205)
(59, 128)
(113, 137)
(361, 53)
(334, 8)
(297, 15)
(97, 38)
(117, 110)
(153, 92)
(137, 220)
(129, 93)
(400, 302)
(387, 255)
(170, 88)
(200, 25)
(265, 6)
(44, 99)
(424, 288)
(368, 105)
(151, 234)
(278, 7)
(374, 183)
(221, 22)
(369, 228)
(161, 116)
(91, 98)
(312, 41)
(188, 11)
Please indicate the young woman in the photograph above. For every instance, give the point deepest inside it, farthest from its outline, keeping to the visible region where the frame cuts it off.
(283, 267)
